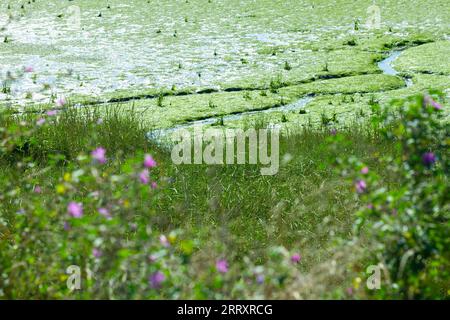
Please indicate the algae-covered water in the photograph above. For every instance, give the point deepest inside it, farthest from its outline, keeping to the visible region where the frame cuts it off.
(179, 62)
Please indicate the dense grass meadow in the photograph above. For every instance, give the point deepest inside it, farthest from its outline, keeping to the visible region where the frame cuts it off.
(222, 231)
(92, 205)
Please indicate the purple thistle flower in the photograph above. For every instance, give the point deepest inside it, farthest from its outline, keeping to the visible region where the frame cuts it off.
(222, 266)
(429, 101)
(156, 279)
(260, 279)
(99, 155)
(28, 69)
(75, 209)
(436, 105)
(164, 241)
(104, 212)
(144, 176)
(66, 226)
(296, 258)
(365, 170)
(149, 162)
(428, 159)
(52, 112)
(360, 186)
(60, 102)
(96, 253)
(40, 121)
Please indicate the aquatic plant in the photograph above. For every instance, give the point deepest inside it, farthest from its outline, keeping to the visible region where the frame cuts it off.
(275, 84)
(325, 120)
(211, 105)
(287, 66)
(160, 100)
(350, 42)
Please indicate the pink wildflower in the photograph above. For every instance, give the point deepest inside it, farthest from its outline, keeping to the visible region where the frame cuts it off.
(149, 162)
(60, 102)
(75, 209)
(260, 278)
(40, 121)
(222, 266)
(164, 241)
(144, 176)
(66, 226)
(429, 101)
(296, 258)
(156, 279)
(99, 155)
(96, 253)
(361, 186)
(104, 212)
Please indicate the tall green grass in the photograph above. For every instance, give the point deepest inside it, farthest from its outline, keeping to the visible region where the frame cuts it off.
(76, 130)
(232, 206)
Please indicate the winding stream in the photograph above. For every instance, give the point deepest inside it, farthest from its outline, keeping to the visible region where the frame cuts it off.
(158, 135)
(386, 66)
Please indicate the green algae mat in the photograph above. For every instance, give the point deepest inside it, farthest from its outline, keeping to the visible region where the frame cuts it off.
(182, 62)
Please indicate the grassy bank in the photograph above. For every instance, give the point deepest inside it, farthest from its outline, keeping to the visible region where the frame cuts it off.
(207, 231)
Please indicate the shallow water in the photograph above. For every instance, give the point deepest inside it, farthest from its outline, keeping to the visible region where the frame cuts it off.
(161, 44)
(161, 135)
(386, 66)
(137, 49)
(131, 47)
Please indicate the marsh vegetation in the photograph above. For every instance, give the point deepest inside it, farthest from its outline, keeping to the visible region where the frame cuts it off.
(89, 89)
